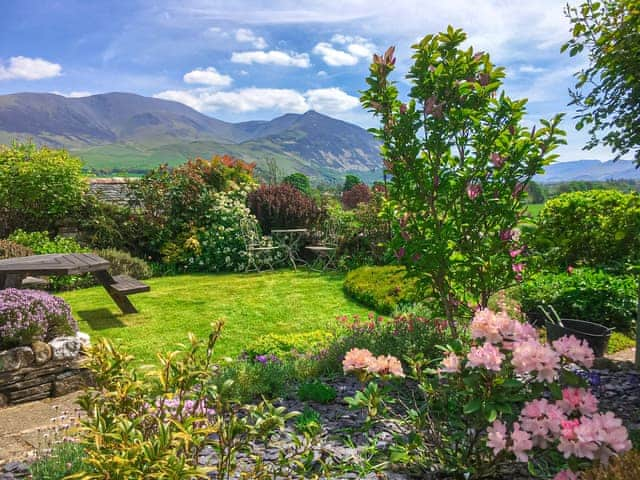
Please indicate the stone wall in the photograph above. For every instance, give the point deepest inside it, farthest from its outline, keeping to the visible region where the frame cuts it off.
(42, 370)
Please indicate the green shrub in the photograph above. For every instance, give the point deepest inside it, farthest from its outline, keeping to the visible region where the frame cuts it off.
(11, 249)
(39, 187)
(316, 391)
(41, 243)
(65, 459)
(286, 344)
(124, 264)
(381, 288)
(309, 422)
(585, 294)
(620, 341)
(594, 229)
(104, 225)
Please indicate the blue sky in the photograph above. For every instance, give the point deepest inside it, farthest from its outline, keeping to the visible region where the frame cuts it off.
(252, 59)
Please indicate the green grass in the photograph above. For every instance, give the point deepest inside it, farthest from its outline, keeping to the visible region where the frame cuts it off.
(253, 305)
(534, 209)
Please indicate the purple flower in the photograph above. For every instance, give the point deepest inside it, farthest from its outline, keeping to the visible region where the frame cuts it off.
(261, 358)
(506, 235)
(400, 253)
(473, 190)
(497, 160)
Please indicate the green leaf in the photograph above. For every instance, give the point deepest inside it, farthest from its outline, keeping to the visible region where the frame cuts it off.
(472, 406)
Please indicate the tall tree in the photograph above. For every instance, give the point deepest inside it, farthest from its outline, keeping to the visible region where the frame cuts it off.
(607, 91)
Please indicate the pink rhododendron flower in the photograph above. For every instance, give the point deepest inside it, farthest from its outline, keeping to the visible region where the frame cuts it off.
(542, 420)
(596, 438)
(497, 437)
(578, 399)
(521, 443)
(577, 351)
(450, 363)
(565, 475)
(385, 365)
(499, 328)
(357, 359)
(531, 356)
(484, 325)
(474, 190)
(486, 356)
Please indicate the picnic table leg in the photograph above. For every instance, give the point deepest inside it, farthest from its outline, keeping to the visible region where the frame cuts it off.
(10, 280)
(122, 301)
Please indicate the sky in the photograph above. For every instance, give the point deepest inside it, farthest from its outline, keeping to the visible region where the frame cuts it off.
(257, 59)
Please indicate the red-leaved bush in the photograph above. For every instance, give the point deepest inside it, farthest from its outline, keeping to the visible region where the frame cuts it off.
(359, 193)
(282, 206)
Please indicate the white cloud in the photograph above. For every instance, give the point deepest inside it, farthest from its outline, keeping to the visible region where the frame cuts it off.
(326, 100)
(75, 94)
(356, 48)
(531, 69)
(274, 57)
(331, 100)
(209, 76)
(333, 57)
(244, 35)
(25, 68)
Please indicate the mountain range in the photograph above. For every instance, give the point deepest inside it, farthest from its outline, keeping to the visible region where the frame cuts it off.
(123, 131)
(115, 132)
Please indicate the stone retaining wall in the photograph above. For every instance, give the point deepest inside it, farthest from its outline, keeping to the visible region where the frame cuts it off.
(42, 370)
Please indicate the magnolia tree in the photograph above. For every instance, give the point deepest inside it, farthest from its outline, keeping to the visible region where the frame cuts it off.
(459, 160)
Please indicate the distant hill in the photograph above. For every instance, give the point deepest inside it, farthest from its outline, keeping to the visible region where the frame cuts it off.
(132, 132)
(589, 170)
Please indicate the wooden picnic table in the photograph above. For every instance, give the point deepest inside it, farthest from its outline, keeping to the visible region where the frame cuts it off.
(14, 270)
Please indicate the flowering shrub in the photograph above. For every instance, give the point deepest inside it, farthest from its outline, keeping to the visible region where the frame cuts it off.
(219, 244)
(282, 206)
(459, 159)
(358, 194)
(29, 315)
(484, 407)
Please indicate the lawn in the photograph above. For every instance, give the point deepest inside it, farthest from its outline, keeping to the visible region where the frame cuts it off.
(534, 208)
(251, 304)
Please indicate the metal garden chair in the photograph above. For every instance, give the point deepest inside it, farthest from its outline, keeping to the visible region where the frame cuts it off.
(259, 251)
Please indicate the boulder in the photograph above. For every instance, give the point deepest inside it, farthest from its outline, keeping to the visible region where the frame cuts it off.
(42, 352)
(65, 348)
(16, 358)
(84, 338)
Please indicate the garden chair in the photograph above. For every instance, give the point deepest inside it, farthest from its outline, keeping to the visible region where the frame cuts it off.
(325, 245)
(258, 251)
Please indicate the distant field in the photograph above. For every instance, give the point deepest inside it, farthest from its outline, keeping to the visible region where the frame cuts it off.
(534, 208)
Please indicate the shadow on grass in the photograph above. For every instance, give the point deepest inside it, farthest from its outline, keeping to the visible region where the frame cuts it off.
(100, 318)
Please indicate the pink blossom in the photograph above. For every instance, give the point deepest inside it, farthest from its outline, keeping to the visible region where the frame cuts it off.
(575, 350)
(497, 437)
(484, 325)
(518, 277)
(542, 420)
(569, 269)
(518, 267)
(565, 475)
(474, 190)
(497, 160)
(578, 399)
(521, 443)
(516, 252)
(531, 356)
(506, 235)
(450, 363)
(400, 253)
(486, 356)
(356, 359)
(403, 108)
(385, 365)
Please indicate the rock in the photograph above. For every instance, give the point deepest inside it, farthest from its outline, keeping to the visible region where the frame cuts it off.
(16, 358)
(84, 338)
(68, 382)
(42, 352)
(65, 348)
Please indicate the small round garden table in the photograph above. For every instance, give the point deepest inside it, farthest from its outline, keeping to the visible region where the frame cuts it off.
(290, 239)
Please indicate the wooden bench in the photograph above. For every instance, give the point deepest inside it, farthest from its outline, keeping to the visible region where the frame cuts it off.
(127, 285)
